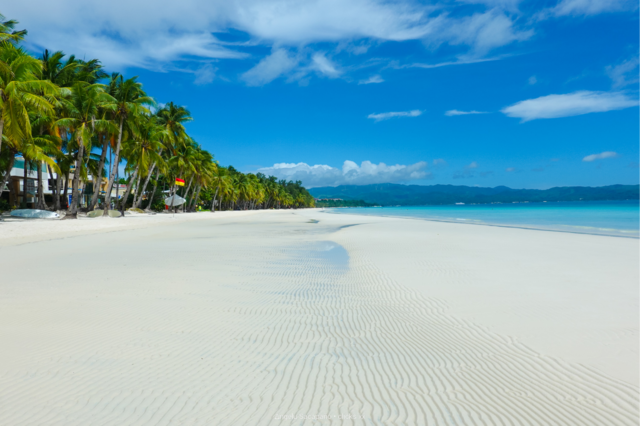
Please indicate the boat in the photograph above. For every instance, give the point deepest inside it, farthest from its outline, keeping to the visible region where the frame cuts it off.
(34, 214)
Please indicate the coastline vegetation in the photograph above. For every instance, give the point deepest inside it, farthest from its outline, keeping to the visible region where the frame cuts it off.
(71, 116)
(336, 202)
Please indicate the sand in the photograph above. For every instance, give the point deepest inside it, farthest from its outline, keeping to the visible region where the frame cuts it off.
(252, 318)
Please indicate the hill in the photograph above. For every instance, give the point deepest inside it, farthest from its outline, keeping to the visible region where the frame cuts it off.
(323, 202)
(388, 194)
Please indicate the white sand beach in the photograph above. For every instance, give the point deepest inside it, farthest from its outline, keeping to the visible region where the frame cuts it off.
(252, 318)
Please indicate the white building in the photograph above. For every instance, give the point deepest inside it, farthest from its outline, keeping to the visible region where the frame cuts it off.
(15, 188)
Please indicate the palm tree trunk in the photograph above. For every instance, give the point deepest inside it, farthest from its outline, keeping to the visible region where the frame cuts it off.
(97, 180)
(23, 201)
(117, 188)
(213, 203)
(138, 195)
(66, 190)
(190, 202)
(150, 197)
(7, 173)
(186, 194)
(114, 169)
(194, 201)
(41, 204)
(58, 190)
(135, 195)
(76, 182)
(123, 202)
(144, 187)
(146, 182)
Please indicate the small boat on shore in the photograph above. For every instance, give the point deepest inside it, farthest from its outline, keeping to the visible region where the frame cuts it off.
(34, 214)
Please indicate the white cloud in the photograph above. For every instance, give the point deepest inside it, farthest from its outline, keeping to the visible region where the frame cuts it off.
(388, 115)
(439, 162)
(591, 7)
(511, 5)
(532, 80)
(482, 31)
(297, 67)
(155, 34)
(270, 68)
(601, 156)
(576, 103)
(350, 174)
(473, 165)
(463, 61)
(372, 80)
(510, 169)
(324, 66)
(205, 74)
(623, 74)
(454, 112)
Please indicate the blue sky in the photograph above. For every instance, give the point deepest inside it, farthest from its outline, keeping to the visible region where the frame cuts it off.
(473, 92)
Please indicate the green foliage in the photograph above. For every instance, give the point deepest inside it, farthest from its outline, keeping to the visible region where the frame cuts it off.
(158, 204)
(342, 203)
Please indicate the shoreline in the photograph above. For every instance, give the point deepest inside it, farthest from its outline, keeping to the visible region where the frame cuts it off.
(474, 222)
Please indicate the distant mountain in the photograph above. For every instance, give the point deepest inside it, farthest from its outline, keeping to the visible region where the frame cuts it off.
(389, 194)
(341, 203)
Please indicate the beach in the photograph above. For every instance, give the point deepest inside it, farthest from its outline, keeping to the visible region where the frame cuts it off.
(304, 317)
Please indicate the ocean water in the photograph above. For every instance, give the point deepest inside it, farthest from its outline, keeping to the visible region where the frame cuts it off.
(616, 218)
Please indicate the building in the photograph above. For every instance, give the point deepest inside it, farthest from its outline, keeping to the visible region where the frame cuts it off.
(17, 188)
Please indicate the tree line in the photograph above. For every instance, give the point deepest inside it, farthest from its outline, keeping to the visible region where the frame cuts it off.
(70, 115)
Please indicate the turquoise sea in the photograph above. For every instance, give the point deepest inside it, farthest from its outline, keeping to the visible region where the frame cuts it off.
(617, 218)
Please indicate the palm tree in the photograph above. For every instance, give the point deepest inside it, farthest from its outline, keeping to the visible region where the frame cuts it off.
(198, 158)
(82, 110)
(59, 72)
(222, 182)
(21, 91)
(182, 164)
(7, 33)
(130, 100)
(143, 150)
(48, 148)
(62, 74)
(172, 117)
(90, 71)
(203, 175)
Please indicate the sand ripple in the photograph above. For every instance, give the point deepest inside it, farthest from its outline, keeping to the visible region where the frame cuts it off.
(256, 331)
